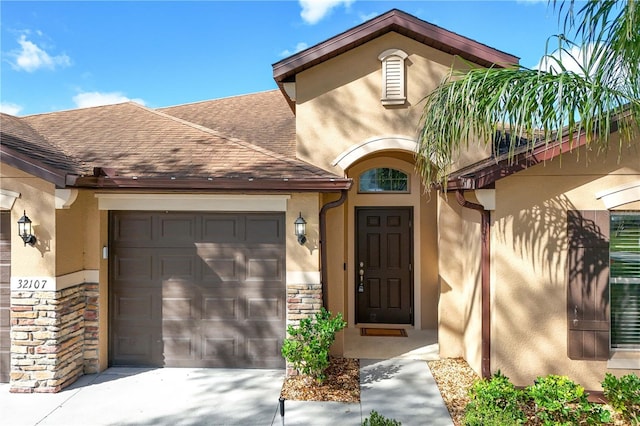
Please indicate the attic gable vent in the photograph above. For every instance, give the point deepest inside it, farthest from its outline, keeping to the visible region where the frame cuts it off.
(393, 77)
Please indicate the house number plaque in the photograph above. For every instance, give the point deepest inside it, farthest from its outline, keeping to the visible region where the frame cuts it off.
(33, 284)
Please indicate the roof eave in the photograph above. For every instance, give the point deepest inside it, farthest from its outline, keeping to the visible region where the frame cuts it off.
(496, 169)
(36, 168)
(215, 184)
(402, 23)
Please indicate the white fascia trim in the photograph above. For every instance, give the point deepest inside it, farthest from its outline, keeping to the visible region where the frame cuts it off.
(7, 199)
(194, 202)
(78, 277)
(620, 195)
(65, 197)
(303, 277)
(392, 52)
(384, 143)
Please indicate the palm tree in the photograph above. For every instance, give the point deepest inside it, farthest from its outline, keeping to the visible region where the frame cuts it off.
(543, 105)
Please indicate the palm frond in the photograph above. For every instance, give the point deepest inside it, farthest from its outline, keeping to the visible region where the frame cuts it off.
(537, 105)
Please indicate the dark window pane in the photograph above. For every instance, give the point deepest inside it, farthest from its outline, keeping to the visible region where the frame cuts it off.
(383, 180)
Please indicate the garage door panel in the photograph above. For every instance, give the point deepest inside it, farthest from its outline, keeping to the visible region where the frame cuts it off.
(264, 269)
(219, 307)
(177, 267)
(182, 308)
(136, 228)
(220, 350)
(129, 265)
(263, 350)
(135, 305)
(137, 347)
(179, 348)
(264, 229)
(222, 229)
(261, 308)
(214, 301)
(5, 295)
(174, 228)
(5, 273)
(223, 268)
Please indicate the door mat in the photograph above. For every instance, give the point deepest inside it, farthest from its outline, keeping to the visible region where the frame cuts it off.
(383, 332)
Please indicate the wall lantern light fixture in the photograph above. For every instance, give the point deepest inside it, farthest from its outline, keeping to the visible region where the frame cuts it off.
(24, 230)
(300, 229)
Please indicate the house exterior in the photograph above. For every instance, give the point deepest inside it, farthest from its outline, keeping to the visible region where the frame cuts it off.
(166, 237)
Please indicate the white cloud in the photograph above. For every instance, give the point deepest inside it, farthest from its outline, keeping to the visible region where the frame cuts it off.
(9, 108)
(299, 48)
(573, 60)
(31, 57)
(91, 99)
(367, 17)
(314, 10)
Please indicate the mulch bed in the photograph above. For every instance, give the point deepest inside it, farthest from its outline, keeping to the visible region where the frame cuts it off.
(342, 384)
(453, 376)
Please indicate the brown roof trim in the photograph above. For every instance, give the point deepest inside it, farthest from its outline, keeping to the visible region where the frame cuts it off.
(35, 167)
(402, 23)
(485, 173)
(216, 184)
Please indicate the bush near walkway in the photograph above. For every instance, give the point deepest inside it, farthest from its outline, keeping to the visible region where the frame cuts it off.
(551, 400)
(623, 395)
(307, 347)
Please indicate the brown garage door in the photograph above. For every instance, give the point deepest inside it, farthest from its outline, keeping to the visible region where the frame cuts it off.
(5, 277)
(197, 289)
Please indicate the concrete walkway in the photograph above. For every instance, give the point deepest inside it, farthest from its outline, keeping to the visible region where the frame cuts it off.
(400, 389)
(397, 388)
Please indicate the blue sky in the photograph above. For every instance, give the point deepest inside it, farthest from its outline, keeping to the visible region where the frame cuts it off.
(65, 55)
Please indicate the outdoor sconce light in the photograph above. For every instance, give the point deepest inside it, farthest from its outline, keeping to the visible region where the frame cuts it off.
(24, 230)
(301, 229)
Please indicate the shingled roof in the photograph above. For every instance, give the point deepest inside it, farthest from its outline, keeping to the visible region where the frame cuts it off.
(128, 145)
(263, 119)
(25, 148)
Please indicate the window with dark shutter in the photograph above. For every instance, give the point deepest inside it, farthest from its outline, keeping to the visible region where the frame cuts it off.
(588, 285)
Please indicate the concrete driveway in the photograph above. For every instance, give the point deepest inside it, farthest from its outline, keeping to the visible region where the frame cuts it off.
(401, 389)
(167, 396)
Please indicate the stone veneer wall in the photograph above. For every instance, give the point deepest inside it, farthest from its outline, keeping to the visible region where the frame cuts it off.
(91, 363)
(53, 337)
(303, 301)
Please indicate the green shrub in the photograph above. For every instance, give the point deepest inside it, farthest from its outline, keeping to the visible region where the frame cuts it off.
(378, 420)
(307, 347)
(494, 402)
(560, 401)
(624, 395)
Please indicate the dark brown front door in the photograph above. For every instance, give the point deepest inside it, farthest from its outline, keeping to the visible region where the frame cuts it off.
(197, 289)
(384, 256)
(5, 277)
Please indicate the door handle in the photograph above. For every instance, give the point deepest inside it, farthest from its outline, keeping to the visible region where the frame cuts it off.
(361, 272)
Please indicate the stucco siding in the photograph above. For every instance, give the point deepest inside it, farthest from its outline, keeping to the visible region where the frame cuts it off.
(72, 227)
(335, 283)
(338, 101)
(38, 200)
(529, 277)
(459, 322)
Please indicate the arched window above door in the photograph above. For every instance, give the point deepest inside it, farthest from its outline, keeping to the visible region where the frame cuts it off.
(383, 179)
